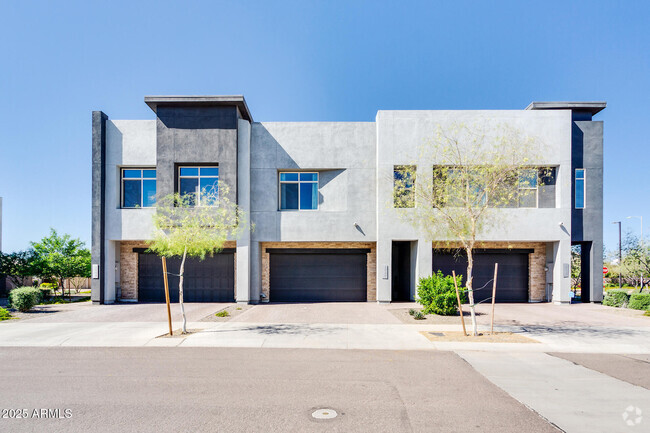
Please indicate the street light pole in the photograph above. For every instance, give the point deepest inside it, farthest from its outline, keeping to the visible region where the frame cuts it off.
(640, 217)
(620, 254)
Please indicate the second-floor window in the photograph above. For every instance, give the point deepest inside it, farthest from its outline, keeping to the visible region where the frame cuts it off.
(199, 184)
(298, 191)
(580, 188)
(138, 187)
(527, 184)
(404, 186)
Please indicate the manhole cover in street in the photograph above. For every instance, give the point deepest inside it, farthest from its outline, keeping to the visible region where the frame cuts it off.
(324, 414)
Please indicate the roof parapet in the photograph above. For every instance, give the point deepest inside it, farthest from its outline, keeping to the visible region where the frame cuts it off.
(589, 107)
(203, 101)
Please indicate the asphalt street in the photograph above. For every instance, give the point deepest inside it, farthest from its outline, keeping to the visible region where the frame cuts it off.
(242, 389)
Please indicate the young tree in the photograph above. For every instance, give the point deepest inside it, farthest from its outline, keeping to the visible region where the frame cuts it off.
(184, 229)
(17, 266)
(576, 268)
(474, 169)
(635, 267)
(60, 257)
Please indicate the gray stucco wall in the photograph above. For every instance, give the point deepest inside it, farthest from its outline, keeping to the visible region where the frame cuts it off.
(343, 154)
(400, 135)
(201, 135)
(587, 223)
(98, 210)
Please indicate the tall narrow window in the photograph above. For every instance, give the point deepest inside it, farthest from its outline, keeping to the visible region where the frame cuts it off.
(527, 184)
(298, 191)
(580, 188)
(199, 184)
(404, 186)
(138, 187)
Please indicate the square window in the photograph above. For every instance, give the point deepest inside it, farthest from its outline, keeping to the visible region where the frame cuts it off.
(200, 185)
(138, 188)
(299, 191)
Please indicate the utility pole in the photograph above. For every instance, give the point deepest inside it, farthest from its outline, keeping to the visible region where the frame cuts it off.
(640, 217)
(620, 254)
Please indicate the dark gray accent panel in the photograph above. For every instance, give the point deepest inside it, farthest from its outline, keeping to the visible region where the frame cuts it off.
(587, 223)
(318, 277)
(196, 135)
(209, 280)
(512, 277)
(98, 203)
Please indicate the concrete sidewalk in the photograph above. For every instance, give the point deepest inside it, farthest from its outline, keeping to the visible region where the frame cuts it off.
(574, 398)
(314, 335)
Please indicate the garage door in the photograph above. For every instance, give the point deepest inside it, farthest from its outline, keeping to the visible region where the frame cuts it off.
(317, 275)
(209, 280)
(512, 280)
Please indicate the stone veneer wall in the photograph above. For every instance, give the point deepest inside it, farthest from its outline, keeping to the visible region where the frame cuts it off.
(536, 263)
(371, 262)
(129, 268)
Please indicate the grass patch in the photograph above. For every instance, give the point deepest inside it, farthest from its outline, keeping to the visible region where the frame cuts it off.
(4, 315)
(647, 313)
(238, 308)
(223, 313)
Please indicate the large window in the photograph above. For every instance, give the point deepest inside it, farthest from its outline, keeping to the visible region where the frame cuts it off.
(138, 187)
(404, 186)
(199, 184)
(580, 188)
(298, 191)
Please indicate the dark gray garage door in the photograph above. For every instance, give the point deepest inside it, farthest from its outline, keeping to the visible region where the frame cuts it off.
(318, 276)
(512, 279)
(210, 280)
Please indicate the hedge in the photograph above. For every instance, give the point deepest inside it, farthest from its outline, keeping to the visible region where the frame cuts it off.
(639, 301)
(437, 294)
(24, 298)
(616, 298)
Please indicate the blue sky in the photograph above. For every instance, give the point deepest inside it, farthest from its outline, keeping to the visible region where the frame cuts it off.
(304, 61)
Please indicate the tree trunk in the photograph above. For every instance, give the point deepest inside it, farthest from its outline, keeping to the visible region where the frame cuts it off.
(470, 289)
(180, 292)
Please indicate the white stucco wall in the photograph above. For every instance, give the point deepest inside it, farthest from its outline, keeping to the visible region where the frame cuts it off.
(400, 136)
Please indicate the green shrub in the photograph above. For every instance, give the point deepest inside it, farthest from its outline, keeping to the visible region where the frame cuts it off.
(418, 315)
(223, 313)
(616, 298)
(24, 298)
(647, 313)
(412, 311)
(438, 295)
(639, 301)
(4, 314)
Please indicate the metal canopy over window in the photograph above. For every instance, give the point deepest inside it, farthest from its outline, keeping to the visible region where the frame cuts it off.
(298, 191)
(138, 187)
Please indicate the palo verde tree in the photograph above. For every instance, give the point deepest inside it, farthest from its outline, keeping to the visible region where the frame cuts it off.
(195, 225)
(60, 257)
(474, 169)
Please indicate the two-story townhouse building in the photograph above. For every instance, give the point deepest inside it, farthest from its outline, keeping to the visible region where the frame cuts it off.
(320, 196)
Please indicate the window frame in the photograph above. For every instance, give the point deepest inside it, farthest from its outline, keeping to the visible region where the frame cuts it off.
(410, 190)
(584, 188)
(141, 179)
(298, 182)
(199, 177)
(528, 188)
